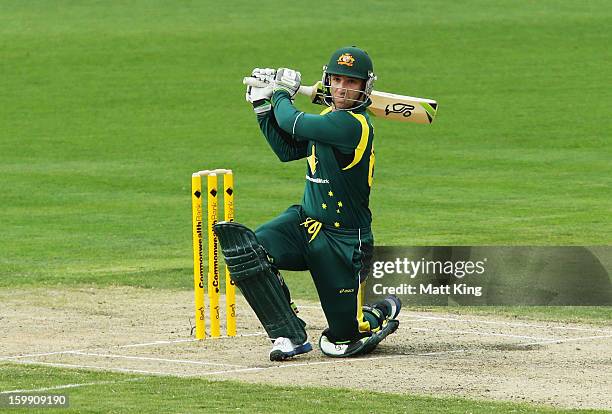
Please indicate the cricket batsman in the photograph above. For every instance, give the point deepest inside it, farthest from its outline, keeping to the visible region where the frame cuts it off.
(329, 233)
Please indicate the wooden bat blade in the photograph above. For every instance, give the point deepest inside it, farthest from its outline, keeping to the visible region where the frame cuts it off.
(384, 105)
(403, 108)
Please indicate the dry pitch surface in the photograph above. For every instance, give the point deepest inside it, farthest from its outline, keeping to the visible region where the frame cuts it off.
(148, 332)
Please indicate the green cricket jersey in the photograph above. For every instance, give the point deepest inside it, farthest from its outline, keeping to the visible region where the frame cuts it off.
(338, 147)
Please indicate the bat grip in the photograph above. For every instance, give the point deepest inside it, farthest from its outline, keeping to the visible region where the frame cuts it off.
(306, 90)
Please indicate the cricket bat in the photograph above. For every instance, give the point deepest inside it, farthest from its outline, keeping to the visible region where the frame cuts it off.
(384, 105)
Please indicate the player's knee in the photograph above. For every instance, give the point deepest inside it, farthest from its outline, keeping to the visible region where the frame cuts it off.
(245, 257)
(264, 237)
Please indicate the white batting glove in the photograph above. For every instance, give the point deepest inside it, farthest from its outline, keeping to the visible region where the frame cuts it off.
(254, 93)
(266, 75)
(260, 98)
(287, 80)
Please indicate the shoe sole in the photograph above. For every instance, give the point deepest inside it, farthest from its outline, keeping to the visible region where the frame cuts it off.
(392, 325)
(278, 355)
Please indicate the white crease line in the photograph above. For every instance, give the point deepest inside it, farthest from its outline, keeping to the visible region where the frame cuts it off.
(483, 334)
(560, 341)
(232, 371)
(240, 370)
(335, 361)
(65, 386)
(187, 340)
(153, 343)
(247, 335)
(97, 348)
(176, 361)
(8, 358)
(455, 351)
(60, 365)
(524, 325)
(177, 341)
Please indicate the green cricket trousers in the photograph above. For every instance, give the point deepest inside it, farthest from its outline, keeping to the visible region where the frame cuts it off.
(338, 260)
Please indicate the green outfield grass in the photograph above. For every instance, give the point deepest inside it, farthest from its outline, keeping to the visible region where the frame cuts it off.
(115, 393)
(108, 107)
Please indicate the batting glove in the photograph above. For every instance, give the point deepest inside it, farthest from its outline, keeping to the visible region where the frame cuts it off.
(287, 80)
(266, 75)
(260, 98)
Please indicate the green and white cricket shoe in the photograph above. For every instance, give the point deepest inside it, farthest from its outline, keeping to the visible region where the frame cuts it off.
(283, 348)
(385, 311)
(357, 347)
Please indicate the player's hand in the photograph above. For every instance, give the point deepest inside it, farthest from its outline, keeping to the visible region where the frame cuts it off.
(266, 75)
(287, 80)
(254, 93)
(260, 98)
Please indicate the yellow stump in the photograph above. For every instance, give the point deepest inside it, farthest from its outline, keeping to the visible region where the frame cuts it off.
(230, 287)
(213, 258)
(213, 279)
(198, 274)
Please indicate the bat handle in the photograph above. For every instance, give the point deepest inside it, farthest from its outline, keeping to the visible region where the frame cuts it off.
(251, 81)
(307, 90)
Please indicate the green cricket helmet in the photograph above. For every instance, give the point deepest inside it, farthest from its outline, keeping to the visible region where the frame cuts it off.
(349, 61)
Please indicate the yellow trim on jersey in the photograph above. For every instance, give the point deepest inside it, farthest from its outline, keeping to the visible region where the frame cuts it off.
(371, 167)
(364, 326)
(326, 110)
(363, 141)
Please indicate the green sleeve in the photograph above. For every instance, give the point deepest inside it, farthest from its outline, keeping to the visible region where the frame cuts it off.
(339, 129)
(282, 143)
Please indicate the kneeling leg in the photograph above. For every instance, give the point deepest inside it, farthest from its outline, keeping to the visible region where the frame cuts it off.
(258, 280)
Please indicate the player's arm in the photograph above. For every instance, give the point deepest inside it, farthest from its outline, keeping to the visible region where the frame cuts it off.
(338, 129)
(283, 144)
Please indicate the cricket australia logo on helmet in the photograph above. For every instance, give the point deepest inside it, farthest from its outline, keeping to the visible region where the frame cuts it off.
(346, 59)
